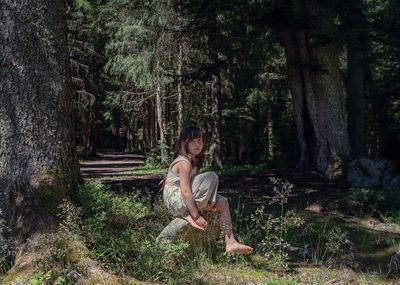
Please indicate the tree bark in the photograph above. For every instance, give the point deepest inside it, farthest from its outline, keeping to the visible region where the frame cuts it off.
(38, 163)
(151, 126)
(180, 95)
(270, 132)
(316, 86)
(85, 137)
(161, 123)
(356, 43)
(214, 87)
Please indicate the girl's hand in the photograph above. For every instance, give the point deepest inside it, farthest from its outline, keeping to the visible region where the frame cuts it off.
(201, 222)
(190, 220)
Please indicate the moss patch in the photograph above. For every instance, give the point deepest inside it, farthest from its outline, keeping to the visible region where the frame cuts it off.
(50, 186)
(380, 258)
(314, 275)
(231, 274)
(57, 253)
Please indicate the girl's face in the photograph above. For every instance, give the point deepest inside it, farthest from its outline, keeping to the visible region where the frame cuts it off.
(195, 146)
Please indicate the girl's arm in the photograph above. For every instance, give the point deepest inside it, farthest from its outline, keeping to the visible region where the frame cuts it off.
(184, 170)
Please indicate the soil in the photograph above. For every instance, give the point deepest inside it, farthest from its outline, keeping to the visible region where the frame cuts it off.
(254, 190)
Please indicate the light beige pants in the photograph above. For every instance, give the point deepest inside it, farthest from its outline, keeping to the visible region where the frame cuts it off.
(204, 187)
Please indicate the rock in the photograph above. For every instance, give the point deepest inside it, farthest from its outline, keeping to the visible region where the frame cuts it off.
(370, 173)
(374, 167)
(355, 176)
(394, 183)
(305, 252)
(350, 251)
(370, 182)
(387, 179)
(390, 169)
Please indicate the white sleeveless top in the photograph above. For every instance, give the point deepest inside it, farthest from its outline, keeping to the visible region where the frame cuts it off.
(173, 177)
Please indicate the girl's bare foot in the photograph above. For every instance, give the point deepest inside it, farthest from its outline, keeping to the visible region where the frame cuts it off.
(238, 248)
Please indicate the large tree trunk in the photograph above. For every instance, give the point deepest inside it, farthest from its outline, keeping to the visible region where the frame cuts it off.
(214, 87)
(355, 21)
(316, 86)
(38, 164)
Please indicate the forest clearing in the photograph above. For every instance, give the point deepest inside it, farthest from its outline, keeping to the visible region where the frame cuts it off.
(199, 142)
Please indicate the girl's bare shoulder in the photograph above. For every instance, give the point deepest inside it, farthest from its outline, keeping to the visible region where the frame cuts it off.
(180, 166)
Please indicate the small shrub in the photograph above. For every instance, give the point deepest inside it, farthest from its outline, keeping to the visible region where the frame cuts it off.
(368, 199)
(269, 233)
(373, 201)
(153, 157)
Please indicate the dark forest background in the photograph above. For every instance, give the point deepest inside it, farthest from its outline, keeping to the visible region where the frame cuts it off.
(143, 69)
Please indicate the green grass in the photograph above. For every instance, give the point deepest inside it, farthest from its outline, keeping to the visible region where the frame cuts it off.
(121, 228)
(146, 170)
(243, 170)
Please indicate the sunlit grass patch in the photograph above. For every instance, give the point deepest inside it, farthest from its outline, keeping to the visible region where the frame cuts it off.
(243, 170)
(325, 275)
(146, 170)
(232, 273)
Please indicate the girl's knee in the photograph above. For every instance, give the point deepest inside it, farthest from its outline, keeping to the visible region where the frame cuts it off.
(212, 176)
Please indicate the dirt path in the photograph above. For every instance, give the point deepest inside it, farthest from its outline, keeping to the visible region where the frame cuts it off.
(110, 164)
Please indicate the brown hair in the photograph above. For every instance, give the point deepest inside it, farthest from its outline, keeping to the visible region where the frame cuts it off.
(188, 134)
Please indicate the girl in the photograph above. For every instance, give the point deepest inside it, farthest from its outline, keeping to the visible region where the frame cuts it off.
(187, 192)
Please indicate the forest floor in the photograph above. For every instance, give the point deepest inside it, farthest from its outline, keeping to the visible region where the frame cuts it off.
(254, 190)
(320, 201)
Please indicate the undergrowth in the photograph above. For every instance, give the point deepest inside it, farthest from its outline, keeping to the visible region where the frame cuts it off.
(6, 248)
(120, 229)
(380, 203)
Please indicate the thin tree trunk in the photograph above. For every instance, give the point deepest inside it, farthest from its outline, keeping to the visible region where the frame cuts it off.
(270, 130)
(151, 126)
(180, 95)
(214, 87)
(355, 100)
(95, 142)
(316, 86)
(85, 135)
(161, 123)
